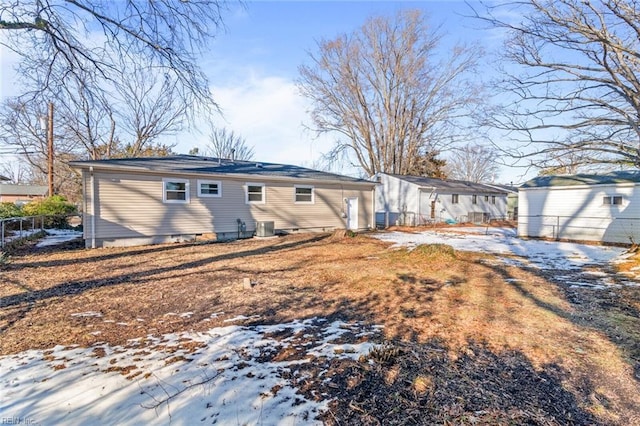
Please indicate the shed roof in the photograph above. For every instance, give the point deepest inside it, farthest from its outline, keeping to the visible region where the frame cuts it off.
(191, 164)
(621, 176)
(450, 185)
(13, 189)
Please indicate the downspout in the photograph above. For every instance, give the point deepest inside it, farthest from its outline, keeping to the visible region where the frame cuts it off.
(94, 209)
(373, 209)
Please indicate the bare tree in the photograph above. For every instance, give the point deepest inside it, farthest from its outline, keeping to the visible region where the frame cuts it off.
(385, 93)
(67, 39)
(473, 163)
(227, 144)
(150, 107)
(574, 92)
(16, 172)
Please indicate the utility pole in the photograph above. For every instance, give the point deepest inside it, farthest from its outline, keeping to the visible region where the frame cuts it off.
(47, 125)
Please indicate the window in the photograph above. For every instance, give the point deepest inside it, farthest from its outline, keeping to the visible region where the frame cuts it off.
(486, 198)
(454, 198)
(474, 199)
(493, 199)
(255, 193)
(304, 194)
(612, 200)
(209, 188)
(175, 190)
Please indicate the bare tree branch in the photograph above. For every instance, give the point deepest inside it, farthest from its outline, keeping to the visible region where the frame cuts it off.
(383, 92)
(574, 91)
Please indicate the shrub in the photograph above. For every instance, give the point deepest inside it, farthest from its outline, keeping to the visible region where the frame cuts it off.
(9, 210)
(56, 205)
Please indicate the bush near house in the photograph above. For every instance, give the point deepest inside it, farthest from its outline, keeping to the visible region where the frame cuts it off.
(9, 210)
(55, 206)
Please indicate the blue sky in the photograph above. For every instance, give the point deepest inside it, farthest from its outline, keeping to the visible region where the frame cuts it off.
(254, 63)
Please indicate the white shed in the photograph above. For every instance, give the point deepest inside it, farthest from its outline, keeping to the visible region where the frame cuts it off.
(582, 207)
(416, 200)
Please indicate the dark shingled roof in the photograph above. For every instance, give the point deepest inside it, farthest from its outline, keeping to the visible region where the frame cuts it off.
(449, 185)
(191, 164)
(623, 176)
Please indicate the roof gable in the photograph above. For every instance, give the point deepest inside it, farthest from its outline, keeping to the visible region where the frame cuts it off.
(191, 164)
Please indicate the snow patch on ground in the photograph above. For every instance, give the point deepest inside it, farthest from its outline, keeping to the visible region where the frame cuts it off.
(231, 377)
(58, 236)
(537, 254)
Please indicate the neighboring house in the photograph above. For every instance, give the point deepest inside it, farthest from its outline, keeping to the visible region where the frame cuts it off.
(21, 194)
(416, 200)
(583, 207)
(152, 200)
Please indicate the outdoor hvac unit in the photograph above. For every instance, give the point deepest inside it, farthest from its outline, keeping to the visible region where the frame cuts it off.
(265, 229)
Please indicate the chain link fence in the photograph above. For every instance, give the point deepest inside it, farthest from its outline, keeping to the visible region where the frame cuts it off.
(14, 229)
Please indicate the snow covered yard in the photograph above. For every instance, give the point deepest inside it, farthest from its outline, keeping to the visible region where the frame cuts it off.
(582, 265)
(227, 375)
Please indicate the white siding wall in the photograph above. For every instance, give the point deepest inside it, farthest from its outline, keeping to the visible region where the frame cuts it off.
(131, 206)
(395, 195)
(578, 213)
(446, 209)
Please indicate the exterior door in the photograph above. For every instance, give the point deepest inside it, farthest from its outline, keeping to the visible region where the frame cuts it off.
(352, 213)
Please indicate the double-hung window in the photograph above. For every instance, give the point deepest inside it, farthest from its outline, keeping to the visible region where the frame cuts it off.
(255, 193)
(454, 198)
(209, 188)
(474, 199)
(175, 190)
(611, 200)
(304, 194)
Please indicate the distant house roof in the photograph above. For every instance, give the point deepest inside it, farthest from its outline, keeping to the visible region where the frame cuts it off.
(623, 176)
(191, 164)
(450, 185)
(4, 178)
(26, 190)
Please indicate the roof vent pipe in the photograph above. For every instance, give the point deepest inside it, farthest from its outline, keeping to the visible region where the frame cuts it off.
(233, 154)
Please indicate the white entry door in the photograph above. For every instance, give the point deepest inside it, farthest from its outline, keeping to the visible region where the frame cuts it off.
(352, 213)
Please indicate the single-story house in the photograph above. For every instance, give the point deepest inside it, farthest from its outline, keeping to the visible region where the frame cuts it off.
(583, 207)
(417, 200)
(21, 194)
(134, 201)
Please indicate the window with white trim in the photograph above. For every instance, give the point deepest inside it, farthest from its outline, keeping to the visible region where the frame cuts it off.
(304, 194)
(474, 199)
(493, 199)
(454, 198)
(255, 193)
(175, 190)
(209, 188)
(611, 200)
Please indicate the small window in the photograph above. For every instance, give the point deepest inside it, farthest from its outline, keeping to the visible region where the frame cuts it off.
(493, 199)
(175, 190)
(255, 193)
(612, 200)
(209, 188)
(486, 198)
(474, 199)
(304, 194)
(454, 198)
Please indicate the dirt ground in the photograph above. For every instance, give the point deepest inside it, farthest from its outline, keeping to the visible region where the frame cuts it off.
(467, 339)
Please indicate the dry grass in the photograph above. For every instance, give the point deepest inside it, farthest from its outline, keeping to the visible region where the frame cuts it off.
(431, 294)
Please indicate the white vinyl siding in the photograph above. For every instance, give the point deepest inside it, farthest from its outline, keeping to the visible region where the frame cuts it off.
(255, 193)
(304, 194)
(131, 206)
(175, 190)
(580, 213)
(209, 188)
